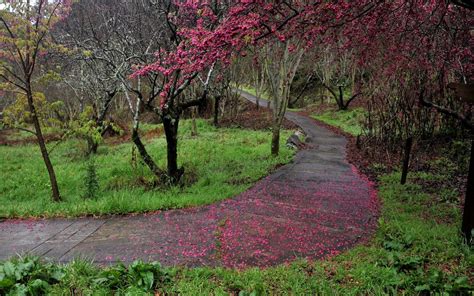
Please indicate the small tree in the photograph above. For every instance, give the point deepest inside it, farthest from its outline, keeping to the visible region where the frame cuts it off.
(281, 61)
(24, 35)
(91, 182)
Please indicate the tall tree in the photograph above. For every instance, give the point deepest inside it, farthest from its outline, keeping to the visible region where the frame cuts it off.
(25, 28)
(281, 61)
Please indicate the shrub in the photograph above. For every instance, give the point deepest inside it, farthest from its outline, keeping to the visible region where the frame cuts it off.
(91, 182)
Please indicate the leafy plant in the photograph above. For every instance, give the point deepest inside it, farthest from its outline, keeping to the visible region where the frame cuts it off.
(28, 276)
(19, 115)
(88, 127)
(91, 182)
(436, 281)
(139, 275)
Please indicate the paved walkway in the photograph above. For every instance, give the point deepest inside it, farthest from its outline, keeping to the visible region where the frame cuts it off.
(316, 206)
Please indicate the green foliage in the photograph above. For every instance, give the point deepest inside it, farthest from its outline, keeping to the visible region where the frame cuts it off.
(28, 276)
(31, 276)
(349, 121)
(18, 114)
(218, 164)
(87, 127)
(91, 182)
(139, 276)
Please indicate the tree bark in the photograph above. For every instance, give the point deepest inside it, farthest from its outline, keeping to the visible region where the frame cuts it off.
(340, 102)
(468, 213)
(92, 146)
(406, 160)
(216, 111)
(147, 159)
(170, 125)
(276, 138)
(44, 151)
(194, 131)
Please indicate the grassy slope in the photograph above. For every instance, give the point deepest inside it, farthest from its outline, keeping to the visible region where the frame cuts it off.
(226, 162)
(347, 120)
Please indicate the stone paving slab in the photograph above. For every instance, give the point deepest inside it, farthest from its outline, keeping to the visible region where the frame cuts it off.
(316, 206)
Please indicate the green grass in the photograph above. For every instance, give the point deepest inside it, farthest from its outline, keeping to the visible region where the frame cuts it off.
(347, 120)
(417, 249)
(224, 162)
(19, 135)
(252, 91)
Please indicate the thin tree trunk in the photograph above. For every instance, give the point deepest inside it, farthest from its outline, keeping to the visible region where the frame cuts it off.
(194, 131)
(406, 160)
(468, 213)
(275, 138)
(44, 151)
(92, 146)
(216, 111)
(257, 98)
(340, 102)
(171, 131)
(147, 159)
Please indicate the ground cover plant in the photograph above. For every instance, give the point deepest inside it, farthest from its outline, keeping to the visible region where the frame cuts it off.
(221, 163)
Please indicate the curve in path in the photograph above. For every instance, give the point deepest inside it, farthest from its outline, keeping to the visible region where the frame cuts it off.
(316, 206)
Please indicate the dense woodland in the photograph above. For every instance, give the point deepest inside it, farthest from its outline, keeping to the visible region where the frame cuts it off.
(395, 76)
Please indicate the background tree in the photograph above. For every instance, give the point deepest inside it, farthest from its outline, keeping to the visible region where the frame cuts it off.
(280, 72)
(337, 72)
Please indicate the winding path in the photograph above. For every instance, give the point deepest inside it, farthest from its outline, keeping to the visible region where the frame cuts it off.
(316, 206)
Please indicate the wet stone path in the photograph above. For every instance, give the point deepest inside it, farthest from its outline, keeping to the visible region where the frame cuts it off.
(316, 206)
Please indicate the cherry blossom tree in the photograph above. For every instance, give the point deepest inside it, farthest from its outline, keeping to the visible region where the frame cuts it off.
(416, 50)
(417, 46)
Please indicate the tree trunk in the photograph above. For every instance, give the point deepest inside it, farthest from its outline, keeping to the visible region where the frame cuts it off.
(216, 111)
(468, 213)
(257, 97)
(406, 160)
(147, 159)
(44, 151)
(194, 131)
(171, 131)
(340, 102)
(92, 146)
(275, 138)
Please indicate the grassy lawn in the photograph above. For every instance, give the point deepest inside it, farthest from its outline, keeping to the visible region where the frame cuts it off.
(416, 250)
(218, 164)
(347, 120)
